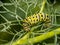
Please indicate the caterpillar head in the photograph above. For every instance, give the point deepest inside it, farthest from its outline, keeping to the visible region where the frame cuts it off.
(47, 19)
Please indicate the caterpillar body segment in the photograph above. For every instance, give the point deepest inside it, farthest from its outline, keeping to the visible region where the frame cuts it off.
(40, 17)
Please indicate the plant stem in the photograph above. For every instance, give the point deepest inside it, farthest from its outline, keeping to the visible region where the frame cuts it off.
(38, 38)
(43, 5)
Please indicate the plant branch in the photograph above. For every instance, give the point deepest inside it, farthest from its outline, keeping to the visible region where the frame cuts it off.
(38, 38)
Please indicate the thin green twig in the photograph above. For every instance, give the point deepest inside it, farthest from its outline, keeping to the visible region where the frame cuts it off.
(43, 5)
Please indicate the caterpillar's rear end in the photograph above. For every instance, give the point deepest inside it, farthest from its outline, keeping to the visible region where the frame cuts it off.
(34, 19)
(26, 26)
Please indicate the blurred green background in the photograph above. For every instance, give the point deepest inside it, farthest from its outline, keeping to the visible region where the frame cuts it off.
(12, 11)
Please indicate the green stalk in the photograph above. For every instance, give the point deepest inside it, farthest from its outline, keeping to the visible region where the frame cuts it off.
(38, 38)
(43, 5)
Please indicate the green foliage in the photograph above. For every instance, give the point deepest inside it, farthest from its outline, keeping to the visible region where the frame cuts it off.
(13, 11)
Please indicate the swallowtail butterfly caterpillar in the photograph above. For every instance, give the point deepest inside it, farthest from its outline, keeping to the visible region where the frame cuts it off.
(29, 21)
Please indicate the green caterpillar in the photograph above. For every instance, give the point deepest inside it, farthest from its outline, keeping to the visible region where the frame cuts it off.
(29, 21)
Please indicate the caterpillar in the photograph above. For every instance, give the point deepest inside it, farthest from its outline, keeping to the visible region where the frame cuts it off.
(29, 21)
